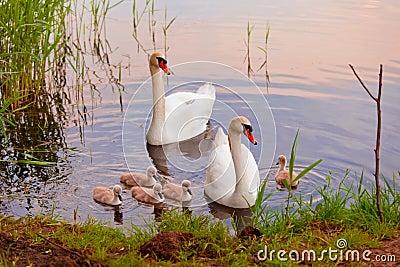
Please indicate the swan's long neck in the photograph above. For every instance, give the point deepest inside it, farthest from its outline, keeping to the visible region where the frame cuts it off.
(158, 119)
(282, 166)
(238, 162)
(115, 200)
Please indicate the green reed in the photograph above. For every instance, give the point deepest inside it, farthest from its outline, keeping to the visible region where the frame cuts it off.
(136, 17)
(247, 44)
(265, 63)
(31, 32)
(42, 38)
(152, 24)
(151, 10)
(45, 43)
(165, 27)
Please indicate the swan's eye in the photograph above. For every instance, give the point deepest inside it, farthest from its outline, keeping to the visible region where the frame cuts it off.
(162, 63)
(160, 59)
(247, 127)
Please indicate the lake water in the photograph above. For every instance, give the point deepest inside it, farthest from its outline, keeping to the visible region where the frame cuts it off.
(311, 88)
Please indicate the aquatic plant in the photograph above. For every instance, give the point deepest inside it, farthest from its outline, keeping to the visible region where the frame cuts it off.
(265, 63)
(41, 40)
(32, 32)
(165, 28)
(151, 9)
(136, 19)
(44, 43)
(247, 44)
(152, 25)
(31, 88)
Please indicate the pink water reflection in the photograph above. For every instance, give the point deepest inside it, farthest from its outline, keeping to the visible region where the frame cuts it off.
(305, 37)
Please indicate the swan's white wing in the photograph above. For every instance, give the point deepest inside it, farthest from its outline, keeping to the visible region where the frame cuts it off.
(207, 89)
(221, 138)
(186, 115)
(252, 171)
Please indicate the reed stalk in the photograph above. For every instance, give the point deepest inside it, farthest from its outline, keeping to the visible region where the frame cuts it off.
(166, 26)
(265, 63)
(150, 8)
(247, 44)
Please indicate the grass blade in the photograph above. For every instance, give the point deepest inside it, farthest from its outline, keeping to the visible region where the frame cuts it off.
(307, 169)
(293, 155)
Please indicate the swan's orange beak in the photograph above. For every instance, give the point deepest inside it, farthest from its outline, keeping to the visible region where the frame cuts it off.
(250, 136)
(164, 67)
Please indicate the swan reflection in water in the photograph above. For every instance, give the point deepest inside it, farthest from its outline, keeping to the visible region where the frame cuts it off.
(241, 217)
(118, 215)
(158, 209)
(190, 154)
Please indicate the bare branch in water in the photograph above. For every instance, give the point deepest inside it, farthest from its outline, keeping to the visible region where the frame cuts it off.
(378, 136)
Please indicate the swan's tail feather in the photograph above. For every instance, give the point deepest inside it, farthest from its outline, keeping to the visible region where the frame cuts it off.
(207, 89)
(221, 138)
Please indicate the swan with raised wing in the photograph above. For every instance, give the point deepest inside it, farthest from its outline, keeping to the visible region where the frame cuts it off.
(178, 116)
(232, 177)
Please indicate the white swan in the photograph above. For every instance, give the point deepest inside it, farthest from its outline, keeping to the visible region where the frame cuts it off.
(148, 195)
(179, 116)
(108, 196)
(178, 192)
(283, 174)
(141, 179)
(232, 177)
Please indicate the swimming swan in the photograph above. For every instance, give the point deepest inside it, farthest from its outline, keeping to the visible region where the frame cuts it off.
(141, 179)
(283, 174)
(179, 116)
(108, 196)
(232, 176)
(148, 195)
(178, 192)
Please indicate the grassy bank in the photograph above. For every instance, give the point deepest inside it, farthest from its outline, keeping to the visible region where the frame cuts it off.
(345, 214)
